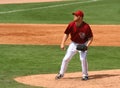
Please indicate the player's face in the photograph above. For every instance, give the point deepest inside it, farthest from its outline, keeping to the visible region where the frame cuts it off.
(77, 18)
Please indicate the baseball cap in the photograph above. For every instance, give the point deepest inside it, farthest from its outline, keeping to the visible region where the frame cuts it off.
(78, 13)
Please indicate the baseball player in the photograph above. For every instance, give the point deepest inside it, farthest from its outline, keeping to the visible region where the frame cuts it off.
(80, 33)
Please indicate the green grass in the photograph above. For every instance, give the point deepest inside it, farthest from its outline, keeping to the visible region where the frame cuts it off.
(23, 60)
(99, 12)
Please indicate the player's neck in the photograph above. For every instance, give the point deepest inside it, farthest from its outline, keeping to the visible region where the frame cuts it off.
(78, 23)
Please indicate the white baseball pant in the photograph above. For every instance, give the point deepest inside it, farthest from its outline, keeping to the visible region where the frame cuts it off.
(71, 51)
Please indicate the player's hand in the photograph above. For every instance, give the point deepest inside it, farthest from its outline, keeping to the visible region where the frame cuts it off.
(62, 46)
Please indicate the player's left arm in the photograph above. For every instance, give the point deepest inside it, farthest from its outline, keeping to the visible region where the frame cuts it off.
(89, 36)
(89, 41)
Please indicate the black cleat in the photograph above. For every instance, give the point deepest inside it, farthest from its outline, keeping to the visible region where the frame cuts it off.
(59, 76)
(85, 78)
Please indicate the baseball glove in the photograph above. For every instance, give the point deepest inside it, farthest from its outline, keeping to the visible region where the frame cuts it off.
(81, 47)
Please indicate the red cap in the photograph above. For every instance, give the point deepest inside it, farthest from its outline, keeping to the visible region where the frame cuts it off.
(78, 13)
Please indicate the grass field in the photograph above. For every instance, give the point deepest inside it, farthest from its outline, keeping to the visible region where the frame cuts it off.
(20, 60)
(96, 12)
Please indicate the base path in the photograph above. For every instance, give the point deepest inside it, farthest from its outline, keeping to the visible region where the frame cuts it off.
(97, 79)
(24, 1)
(51, 34)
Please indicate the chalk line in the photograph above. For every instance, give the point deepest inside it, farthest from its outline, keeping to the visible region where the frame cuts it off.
(45, 7)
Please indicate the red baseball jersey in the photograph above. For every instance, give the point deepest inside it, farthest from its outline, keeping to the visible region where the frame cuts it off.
(79, 34)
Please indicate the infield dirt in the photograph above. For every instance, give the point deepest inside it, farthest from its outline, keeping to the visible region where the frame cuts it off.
(51, 34)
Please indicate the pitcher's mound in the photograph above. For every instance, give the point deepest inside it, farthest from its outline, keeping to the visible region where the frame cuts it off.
(97, 79)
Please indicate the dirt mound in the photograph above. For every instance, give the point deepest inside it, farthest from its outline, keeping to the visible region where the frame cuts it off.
(97, 79)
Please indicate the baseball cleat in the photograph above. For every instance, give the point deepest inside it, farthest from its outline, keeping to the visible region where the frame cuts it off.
(85, 78)
(59, 76)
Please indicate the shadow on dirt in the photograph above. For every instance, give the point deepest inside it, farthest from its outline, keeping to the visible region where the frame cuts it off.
(99, 76)
(96, 76)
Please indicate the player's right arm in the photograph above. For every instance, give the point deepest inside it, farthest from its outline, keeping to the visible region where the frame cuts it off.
(65, 37)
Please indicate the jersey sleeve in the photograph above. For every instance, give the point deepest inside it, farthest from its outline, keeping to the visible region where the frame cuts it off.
(68, 29)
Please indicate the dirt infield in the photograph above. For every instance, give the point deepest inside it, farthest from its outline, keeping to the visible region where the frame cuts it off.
(51, 34)
(24, 1)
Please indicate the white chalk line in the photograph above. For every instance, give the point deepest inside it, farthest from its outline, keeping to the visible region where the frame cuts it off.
(52, 6)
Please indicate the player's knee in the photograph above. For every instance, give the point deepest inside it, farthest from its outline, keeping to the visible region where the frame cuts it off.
(83, 59)
(66, 60)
